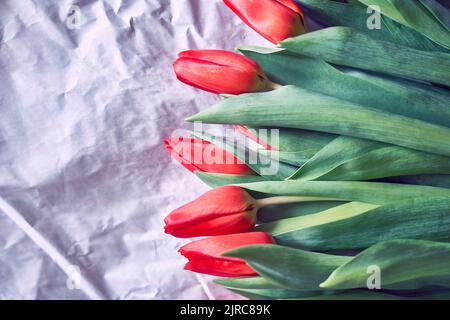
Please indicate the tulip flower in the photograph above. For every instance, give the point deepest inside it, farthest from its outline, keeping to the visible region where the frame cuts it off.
(220, 72)
(201, 155)
(275, 20)
(205, 255)
(223, 210)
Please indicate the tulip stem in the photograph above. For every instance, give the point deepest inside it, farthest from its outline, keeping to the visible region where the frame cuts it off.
(273, 85)
(260, 203)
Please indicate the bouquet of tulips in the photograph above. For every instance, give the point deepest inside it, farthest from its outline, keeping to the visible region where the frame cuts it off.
(336, 181)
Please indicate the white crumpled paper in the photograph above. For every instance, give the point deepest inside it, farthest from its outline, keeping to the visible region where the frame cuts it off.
(84, 179)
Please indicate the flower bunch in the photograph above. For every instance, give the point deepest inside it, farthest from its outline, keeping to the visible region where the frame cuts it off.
(356, 123)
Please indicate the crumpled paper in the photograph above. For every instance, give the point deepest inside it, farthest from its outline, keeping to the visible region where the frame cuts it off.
(87, 94)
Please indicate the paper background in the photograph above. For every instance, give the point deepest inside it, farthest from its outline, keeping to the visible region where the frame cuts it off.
(84, 179)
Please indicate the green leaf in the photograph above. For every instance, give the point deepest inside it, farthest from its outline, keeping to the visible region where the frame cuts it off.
(440, 12)
(259, 287)
(369, 192)
(294, 146)
(426, 102)
(404, 264)
(414, 15)
(289, 268)
(261, 164)
(341, 212)
(417, 101)
(398, 96)
(297, 158)
(349, 47)
(295, 209)
(421, 218)
(347, 158)
(219, 179)
(277, 212)
(293, 107)
(336, 154)
(434, 180)
(246, 283)
(294, 140)
(355, 15)
(387, 8)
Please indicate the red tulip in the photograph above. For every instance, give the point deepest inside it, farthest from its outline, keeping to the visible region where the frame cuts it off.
(200, 155)
(219, 71)
(205, 255)
(246, 132)
(223, 210)
(275, 20)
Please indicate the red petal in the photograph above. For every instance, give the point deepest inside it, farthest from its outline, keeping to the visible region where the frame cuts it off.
(216, 78)
(194, 155)
(204, 255)
(220, 268)
(213, 204)
(235, 223)
(174, 147)
(222, 57)
(215, 246)
(272, 19)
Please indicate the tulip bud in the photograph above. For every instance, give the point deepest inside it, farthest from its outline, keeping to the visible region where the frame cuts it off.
(275, 20)
(200, 155)
(224, 210)
(219, 71)
(205, 255)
